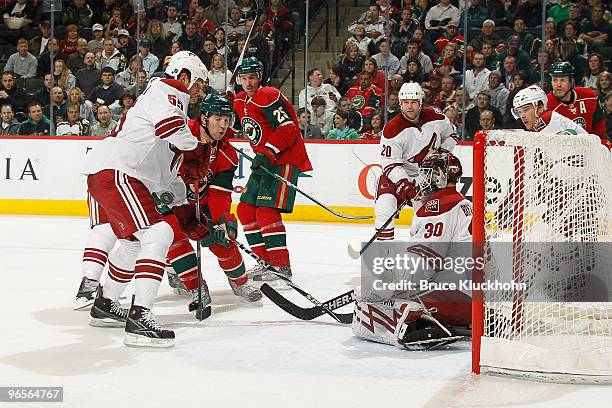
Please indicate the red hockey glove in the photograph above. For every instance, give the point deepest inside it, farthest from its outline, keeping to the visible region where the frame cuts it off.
(229, 95)
(406, 191)
(185, 214)
(264, 159)
(193, 167)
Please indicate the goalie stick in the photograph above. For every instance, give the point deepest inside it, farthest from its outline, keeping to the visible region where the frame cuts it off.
(304, 313)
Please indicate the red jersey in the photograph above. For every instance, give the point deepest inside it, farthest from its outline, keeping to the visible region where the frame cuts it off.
(221, 162)
(582, 109)
(365, 101)
(269, 120)
(441, 42)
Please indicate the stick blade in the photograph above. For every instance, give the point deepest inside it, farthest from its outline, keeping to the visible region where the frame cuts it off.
(353, 253)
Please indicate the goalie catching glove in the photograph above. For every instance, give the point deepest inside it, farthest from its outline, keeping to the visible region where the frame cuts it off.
(186, 216)
(224, 230)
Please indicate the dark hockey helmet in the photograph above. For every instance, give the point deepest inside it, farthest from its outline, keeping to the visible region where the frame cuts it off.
(218, 105)
(251, 65)
(437, 170)
(561, 69)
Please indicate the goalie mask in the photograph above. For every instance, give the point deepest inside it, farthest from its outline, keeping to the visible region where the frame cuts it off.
(437, 170)
(532, 95)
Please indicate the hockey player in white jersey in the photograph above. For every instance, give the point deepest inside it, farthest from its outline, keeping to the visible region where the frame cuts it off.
(123, 171)
(406, 140)
(414, 317)
(529, 105)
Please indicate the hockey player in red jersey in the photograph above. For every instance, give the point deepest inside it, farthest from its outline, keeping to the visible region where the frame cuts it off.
(213, 163)
(577, 104)
(414, 317)
(123, 173)
(407, 139)
(269, 121)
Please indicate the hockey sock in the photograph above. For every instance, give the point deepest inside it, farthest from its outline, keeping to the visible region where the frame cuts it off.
(246, 214)
(231, 262)
(385, 206)
(151, 263)
(185, 263)
(120, 268)
(274, 235)
(99, 243)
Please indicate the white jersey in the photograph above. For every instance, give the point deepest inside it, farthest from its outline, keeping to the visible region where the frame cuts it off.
(142, 147)
(404, 144)
(553, 122)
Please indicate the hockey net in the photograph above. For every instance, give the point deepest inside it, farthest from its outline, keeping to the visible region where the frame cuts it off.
(543, 222)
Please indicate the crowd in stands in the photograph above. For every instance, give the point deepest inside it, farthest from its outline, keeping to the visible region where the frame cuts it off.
(394, 42)
(104, 53)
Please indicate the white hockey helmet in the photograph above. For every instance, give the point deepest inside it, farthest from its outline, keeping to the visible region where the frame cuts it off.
(411, 90)
(189, 61)
(532, 95)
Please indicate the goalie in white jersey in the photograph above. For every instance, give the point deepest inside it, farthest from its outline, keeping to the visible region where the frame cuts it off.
(143, 156)
(406, 140)
(529, 105)
(414, 317)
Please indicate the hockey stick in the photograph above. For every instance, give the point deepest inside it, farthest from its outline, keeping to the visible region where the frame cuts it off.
(353, 253)
(200, 313)
(232, 81)
(308, 196)
(310, 313)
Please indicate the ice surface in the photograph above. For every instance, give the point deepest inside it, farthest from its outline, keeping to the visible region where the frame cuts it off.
(255, 356)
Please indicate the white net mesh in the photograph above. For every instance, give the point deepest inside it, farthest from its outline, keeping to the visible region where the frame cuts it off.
(548, 217)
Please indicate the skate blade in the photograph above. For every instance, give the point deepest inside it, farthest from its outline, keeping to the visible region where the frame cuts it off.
(135, 340)
(278, 284)
(82, 303)
(105, 322)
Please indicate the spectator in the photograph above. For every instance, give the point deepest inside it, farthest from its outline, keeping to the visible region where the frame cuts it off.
(461, 99)
(17, 14)
(43, 95)
(439, 16)
(525, 37)
(207, 52)
(393, 106)
(107, 92)
(150, 62)
(603, 87)
(11, 94)
(574, 18)
(159, 43)
(235, 26)
(38, 44)
(435, 82)
(37, 124)
(595, 65)
(248, 9)
(498, 92)
(596, 31)
(125, 103)
(44, 59)
(446, 96)
(141, 84)
(417, 10)
(487, 120)
(75, 60)
(373, 22)
(452, 36)
(413, 51)
(88, 78)
(320, 116)
(312, 132)
(191, 40)
(111, 57)
(9, 125)
(355, 118)
(536, 72)
(490, 55)
(126, 45)
(133, 23)
(523, 60)
(68, 45)
(337, 81)
(63, 78)
(567, 52)
(364, 43)
(487, 34)
(387, 62)
(570, 34)
(76, 96)
(351, 62)
(172, 26)
(73, 125)
(365, 97)
(376, 127)
(105, 123)
(78, 13)
(414, 72)
(608, 110)
(531, 12)
(378, 77)
(57, 109)
(472, 118)
(127, 78)
(156, 11)
(450, 57)
(423, 43)
(560, 12)
(22, 64)
(317, 88)
(219, 76)
(519, 82)
(341, 130)
(451, 113)
(97, 40)
(220, 41)
(115, 23)
(508, 70)
(407, 24)
(477, 78)
(397, 46)
(396, 83)
(258, 46)
(204, 26)
(477, 13)
(215, 12)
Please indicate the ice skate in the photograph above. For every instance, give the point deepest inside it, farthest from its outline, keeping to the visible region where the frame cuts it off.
(107, 313)
(177, 285)
(274, 280)
(246, 291)
(86, 293)
(206, 301)
(143, 330)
